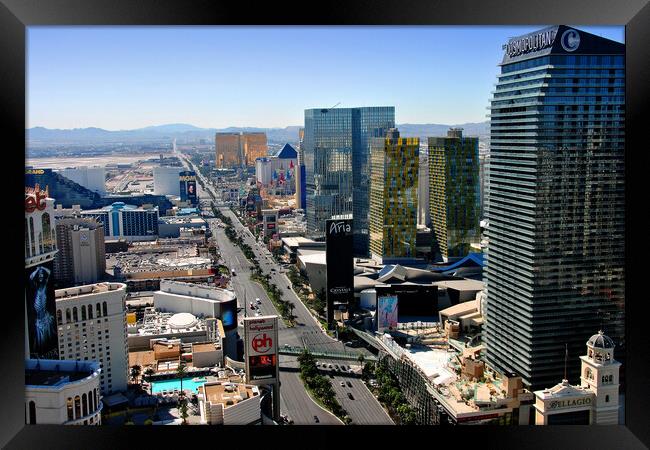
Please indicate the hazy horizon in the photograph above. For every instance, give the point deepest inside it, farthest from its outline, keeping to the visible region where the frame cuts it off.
(124, 78)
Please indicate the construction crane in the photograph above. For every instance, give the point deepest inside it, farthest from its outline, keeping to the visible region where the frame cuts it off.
(326, 110)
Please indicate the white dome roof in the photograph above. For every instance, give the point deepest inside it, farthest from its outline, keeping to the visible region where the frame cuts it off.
(182, 320)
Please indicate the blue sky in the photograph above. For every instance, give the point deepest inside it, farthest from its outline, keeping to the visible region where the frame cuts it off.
(131, 77)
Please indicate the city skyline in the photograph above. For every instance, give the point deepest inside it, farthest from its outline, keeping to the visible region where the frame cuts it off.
(118, 78)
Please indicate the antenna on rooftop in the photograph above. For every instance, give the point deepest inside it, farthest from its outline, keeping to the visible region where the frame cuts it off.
(333, 106)
(566, 357)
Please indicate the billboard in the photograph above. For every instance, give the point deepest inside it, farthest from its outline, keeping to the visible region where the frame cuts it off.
(261, 349)
(229, 314)
(339, 265)
(41, 311)
(187, 181)
(386, 312)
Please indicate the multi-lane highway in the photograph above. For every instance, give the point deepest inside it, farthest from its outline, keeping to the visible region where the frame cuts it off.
(295, 402)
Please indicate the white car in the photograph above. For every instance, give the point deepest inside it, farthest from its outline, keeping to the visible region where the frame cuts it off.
(258, 301)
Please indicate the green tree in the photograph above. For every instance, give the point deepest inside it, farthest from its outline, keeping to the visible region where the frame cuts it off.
(135, 372)
(181, 372)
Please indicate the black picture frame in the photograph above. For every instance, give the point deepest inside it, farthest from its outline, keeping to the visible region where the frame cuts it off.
(15, 15)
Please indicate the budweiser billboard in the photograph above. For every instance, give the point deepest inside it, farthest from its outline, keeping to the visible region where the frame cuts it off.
(261, 349)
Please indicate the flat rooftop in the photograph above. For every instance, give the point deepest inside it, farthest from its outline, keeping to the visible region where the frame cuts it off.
(53, 377)
(142, 359)
(461, 285)
(204, 347)
(89, 289)
(228, 394)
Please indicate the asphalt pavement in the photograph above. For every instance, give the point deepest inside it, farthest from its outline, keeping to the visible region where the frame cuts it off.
(295, 401)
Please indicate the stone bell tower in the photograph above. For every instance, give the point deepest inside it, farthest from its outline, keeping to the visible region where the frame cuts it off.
(599, 374)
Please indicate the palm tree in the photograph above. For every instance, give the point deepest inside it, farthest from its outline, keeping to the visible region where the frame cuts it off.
(180, 373)
(135, 372)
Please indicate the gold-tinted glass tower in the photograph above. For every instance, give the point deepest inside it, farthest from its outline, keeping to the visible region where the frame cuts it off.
(237, 149)
(394, 164)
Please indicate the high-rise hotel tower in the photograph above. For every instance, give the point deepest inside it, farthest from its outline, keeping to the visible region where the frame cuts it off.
(337, 159)
(555, 263)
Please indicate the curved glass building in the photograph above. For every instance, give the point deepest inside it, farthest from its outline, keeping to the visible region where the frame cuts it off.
(555, 259)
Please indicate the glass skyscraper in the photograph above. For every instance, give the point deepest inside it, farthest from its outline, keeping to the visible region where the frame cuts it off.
(454, 194)
(555, 260)
(337, 157)
(394, 165)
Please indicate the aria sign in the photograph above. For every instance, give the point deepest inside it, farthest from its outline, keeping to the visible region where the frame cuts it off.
(340, 227)
(531, 43)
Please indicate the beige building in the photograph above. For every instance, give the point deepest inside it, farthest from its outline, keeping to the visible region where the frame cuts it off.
(595, 401)
(91, 323)
(81, 258)
(229, 403)
(237, 149)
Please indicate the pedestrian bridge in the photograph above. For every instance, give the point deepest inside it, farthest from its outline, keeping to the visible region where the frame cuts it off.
(295, 351)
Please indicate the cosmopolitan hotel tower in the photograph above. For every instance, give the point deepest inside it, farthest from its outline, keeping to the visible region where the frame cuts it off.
(555, 265)
(337, 158)
(393, 197)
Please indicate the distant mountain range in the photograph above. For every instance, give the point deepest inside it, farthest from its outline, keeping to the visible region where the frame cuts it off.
(186, 132)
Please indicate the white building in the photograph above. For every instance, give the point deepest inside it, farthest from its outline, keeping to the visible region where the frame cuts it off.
(40, 227)
(56, 392)
(91, 321)
(201, 301)
(278, 171)
(62, 392)
(81, 258)
(166, 181)
(93, 178)
(228, 403)
(595, 401)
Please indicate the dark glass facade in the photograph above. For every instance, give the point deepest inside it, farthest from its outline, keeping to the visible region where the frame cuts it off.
(454, 194)
(337, 157)
(555, 258)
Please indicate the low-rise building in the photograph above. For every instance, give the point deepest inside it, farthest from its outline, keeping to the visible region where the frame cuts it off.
(62, 392)
(229, 403)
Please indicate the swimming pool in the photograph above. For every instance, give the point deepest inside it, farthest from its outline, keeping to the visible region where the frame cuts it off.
(175, 383)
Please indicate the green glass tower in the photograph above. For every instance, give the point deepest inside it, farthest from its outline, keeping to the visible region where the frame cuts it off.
(454, 194)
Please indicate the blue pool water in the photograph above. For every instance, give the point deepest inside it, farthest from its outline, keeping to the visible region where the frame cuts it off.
(170, 385)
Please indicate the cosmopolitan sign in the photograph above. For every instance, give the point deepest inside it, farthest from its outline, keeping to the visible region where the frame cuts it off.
(530, 43)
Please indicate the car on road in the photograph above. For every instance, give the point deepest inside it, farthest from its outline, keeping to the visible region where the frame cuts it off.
(348, 383)
(343, 368)
(289, 286)
(330, 366)
(252, 306)
(316, 419)
(342, 383)
(258, 301)
(350, 396)
(257, 314)
(336, 366)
